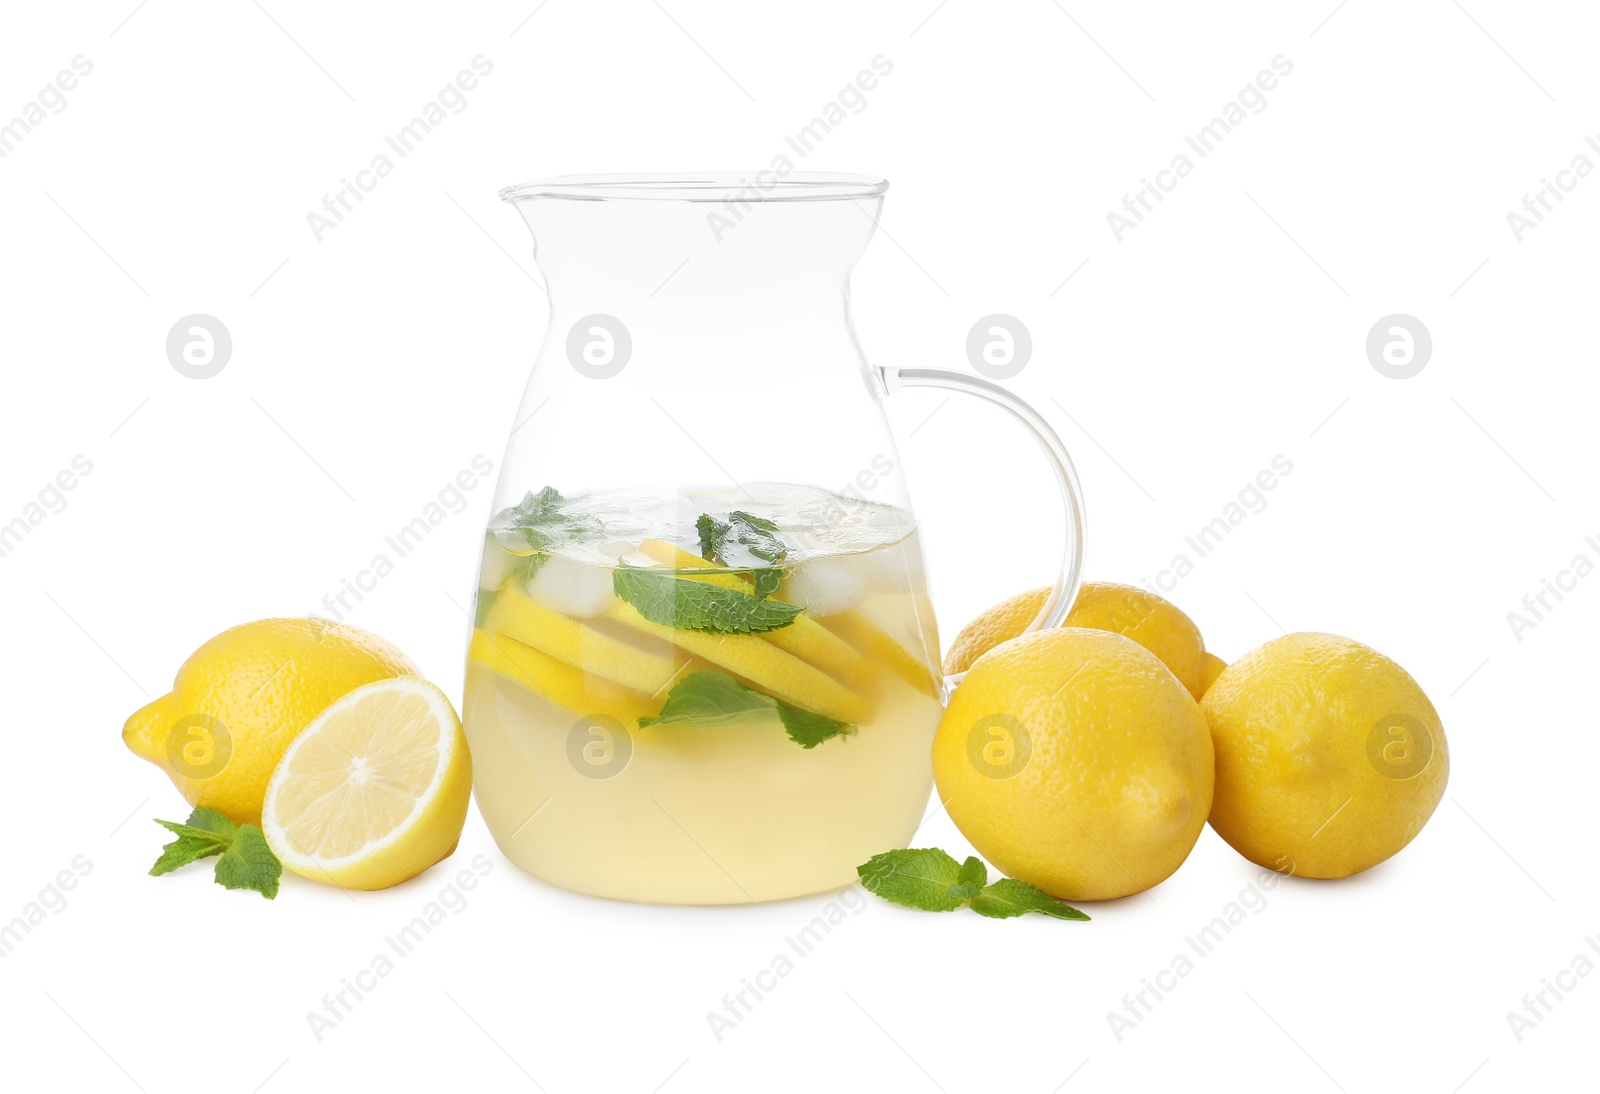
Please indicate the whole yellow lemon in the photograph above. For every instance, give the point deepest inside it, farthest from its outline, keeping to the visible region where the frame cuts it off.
(1156, 624)
(1329, 756)
(1073, 759)
(242, 697)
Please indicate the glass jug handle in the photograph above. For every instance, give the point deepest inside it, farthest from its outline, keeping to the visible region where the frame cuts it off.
(1061, 598)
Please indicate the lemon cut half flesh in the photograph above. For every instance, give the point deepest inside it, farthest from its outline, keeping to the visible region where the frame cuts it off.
(374, 791)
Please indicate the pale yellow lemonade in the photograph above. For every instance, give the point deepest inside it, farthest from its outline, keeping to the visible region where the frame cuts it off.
(697, 698)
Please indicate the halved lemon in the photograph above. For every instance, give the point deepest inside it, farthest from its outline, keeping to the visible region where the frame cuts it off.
(374, 791)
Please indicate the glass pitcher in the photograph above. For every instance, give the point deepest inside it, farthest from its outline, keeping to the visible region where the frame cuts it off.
(704, 668)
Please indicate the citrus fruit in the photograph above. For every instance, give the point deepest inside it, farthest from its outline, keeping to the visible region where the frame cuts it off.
(1329, 756)
(1073, 759)
(240, 699)
(1154, 623)
(374, 791)
(1211, 667)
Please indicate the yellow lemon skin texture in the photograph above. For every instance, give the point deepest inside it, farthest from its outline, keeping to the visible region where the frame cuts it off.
(1073, 759)
(1156, 624)
(1211, 667)
(241, 698)
(1330, 758)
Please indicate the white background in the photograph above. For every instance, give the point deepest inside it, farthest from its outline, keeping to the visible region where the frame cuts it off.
(1229, 327)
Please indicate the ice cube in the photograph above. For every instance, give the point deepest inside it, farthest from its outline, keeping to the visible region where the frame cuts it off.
(573, 588)
(831, 583)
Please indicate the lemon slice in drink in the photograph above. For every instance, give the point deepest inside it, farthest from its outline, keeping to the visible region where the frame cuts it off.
(570, 688)
(805, 637)
(580, 645)
(374, 791)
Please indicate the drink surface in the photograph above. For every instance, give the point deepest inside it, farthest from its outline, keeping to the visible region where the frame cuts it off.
(689, 697)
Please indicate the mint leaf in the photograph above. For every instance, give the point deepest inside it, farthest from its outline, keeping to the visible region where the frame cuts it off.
(207, 833)
(733, 542)
(250, 864)
(184, 850)
(916, 877)
(711, 697)
(246, 863)
(548, 519)
(767, 582)
(743, 542)
(191, 845)
(807, 728)
(974, 875)
(1009, 897)
(929, 879)
(207, 818)
(697, 605)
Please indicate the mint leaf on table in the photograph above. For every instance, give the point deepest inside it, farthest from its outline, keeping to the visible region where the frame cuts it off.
(711, 697)
(1009, 897)
(698, 605)
(744, 542)
(207, 833)
(548, 519)
(931, 880)
(916, 877)
(246, 861)
(974, 876)
(250, 864)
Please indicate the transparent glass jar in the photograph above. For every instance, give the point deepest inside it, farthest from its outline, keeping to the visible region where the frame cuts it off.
(704, 667)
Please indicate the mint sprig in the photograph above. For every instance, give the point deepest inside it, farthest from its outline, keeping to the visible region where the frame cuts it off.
(918, 877)
(547, 519)
(711, 697)
(743, 542)
(698, 605)
(929, 879)
(973, 877)
(246, 861)
(1009, 897)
